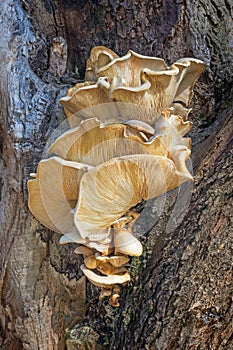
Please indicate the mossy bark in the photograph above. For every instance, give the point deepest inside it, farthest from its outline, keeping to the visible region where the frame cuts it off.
(181, 292)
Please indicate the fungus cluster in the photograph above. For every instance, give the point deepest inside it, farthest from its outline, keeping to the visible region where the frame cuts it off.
(126, 145)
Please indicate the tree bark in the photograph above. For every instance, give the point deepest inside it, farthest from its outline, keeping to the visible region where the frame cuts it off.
(180, 296)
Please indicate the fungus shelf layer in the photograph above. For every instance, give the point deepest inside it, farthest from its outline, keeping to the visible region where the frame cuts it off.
(126, 145)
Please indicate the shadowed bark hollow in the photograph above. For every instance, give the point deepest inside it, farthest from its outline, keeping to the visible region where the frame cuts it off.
(180, 296)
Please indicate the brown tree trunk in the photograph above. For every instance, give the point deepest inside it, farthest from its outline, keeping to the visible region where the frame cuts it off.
(181, 293)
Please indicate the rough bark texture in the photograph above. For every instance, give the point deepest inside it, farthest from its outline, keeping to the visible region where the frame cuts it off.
(181, 293)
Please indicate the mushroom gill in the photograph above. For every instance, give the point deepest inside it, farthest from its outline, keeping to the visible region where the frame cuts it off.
(109, 190)
(134, 78)
(94, 142)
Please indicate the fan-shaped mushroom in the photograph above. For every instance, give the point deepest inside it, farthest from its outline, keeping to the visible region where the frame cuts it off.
(94, 143)
(137, 79)
(109, 281)
(54, 192)
(115, 260)
(108, 191)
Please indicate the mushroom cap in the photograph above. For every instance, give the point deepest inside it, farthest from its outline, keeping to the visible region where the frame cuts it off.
(108, 191)
(91, 262)
(100, 56)
(85, 251)
(126, 243)
(94, 142)
(54, 192)
(115, 260)
(138, 79)
(105, 281)
(113, 300)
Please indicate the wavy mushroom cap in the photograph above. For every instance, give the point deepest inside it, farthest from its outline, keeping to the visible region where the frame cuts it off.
(133, 78)
(107, 192)
(120, 154)
(100, 56)
(54, 192)
(94, 142)
(109, 281)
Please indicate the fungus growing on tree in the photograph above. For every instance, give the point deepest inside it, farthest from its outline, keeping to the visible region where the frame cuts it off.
(103, 168)
(133, 78)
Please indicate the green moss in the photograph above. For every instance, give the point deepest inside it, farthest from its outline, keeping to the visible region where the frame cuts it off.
(82, 338)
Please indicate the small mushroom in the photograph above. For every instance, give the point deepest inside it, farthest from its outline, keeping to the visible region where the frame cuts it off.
(115, 260)
(91, 262)
(113, 300)
(85, 251)
(108, 269)
(105, 281)
(100, 56)
(126, 243)
(105, 292)
(89, 95)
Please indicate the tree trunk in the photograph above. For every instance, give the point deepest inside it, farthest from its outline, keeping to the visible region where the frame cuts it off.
(180, 296)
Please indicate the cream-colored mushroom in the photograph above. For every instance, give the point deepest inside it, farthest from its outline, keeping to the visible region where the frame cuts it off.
(85, 251)
(105, 281)
(108, 191)
(54, 192)
(107, 265)
(130, 148)
(133, 78)
(100, 56)
(115, 260)
(89, 95)
(108, 269)
(126, 243)
(105, 292)
(94, 143)
(113, 300)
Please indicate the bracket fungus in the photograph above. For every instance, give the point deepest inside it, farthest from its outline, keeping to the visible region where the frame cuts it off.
(104, 167)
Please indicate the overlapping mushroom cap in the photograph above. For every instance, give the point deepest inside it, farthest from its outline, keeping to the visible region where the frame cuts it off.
(129, 148)
(133, 78)
(100, 171)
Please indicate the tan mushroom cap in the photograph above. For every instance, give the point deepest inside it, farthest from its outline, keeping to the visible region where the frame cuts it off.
(108, 191)
(36, 205)
(82, 97)
(90, 262)
(170, 130)
(53, 194)
(126, 70)
(100, 56)
(115, 260)
(105, 281)
(160, 89)
(94, 143)
(136, 79)
(85, 251)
